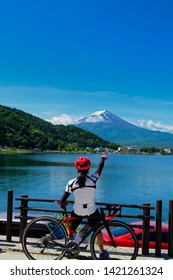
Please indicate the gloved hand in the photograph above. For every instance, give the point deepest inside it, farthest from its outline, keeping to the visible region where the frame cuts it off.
(105, 156)
(61, 204)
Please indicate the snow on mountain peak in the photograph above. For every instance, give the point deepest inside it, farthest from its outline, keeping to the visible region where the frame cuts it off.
(98, 113)
(99, 116)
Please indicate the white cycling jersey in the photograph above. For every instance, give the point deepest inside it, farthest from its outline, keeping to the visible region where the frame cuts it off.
(84, 196)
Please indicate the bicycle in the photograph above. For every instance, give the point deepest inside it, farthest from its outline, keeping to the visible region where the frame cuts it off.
(49, 238)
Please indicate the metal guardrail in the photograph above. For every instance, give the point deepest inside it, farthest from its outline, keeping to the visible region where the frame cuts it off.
(24, 208)
(144, 216)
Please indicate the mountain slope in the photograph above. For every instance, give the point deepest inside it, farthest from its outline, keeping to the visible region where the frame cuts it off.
(112, 128)
(22, 130)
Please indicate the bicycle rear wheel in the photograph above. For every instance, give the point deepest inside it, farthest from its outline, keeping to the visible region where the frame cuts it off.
(44, 239)
(125, 245)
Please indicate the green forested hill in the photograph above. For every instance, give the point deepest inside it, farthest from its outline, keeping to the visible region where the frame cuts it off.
(25, 131)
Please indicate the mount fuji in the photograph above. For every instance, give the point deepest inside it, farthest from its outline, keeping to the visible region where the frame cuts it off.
(104, 116)
(112, 128)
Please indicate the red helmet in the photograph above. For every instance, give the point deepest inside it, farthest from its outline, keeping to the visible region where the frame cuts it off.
(82, 164)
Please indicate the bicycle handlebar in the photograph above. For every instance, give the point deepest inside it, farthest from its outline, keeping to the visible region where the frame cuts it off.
(62, 205)
(110, 208)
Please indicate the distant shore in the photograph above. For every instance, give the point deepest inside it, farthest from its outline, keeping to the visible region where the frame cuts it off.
(25, 151)
(37, 151)
(13, 150)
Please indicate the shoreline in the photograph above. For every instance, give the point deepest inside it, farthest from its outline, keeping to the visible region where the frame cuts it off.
(8, 151)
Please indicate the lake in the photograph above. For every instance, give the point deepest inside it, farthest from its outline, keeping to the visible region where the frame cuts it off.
(127, 179)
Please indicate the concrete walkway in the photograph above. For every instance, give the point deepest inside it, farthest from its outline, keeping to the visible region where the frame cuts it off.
(13, 251)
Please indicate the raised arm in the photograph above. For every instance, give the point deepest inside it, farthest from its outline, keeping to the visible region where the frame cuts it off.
(101, 164)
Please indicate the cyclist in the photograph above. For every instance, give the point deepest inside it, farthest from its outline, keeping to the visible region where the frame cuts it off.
(83, 188)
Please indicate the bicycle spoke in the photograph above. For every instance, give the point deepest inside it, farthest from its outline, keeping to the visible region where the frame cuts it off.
(43, 239)
(125, 245)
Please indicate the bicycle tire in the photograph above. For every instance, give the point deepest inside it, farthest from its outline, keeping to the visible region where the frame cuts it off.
(44, 238)
(122, 250)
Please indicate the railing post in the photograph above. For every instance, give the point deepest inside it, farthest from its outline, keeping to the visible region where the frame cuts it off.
(23, 215)
(146, 231)
(9, 215)
(158, 227)
(170, 230)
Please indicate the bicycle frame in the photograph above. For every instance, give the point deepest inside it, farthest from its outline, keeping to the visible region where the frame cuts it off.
(106, 218)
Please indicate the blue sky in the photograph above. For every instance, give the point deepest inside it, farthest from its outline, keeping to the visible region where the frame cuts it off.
(67, 59)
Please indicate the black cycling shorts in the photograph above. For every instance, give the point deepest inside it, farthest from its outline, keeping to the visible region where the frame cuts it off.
(93, 219)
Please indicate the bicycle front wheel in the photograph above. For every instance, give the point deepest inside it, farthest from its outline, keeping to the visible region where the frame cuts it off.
(119, 242)
(44, 239)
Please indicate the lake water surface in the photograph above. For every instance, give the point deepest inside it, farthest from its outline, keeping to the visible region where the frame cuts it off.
(125, 179)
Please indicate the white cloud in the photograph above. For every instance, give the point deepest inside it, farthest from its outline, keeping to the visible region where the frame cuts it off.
(152, 125)
(62, 119)
(94, 119)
